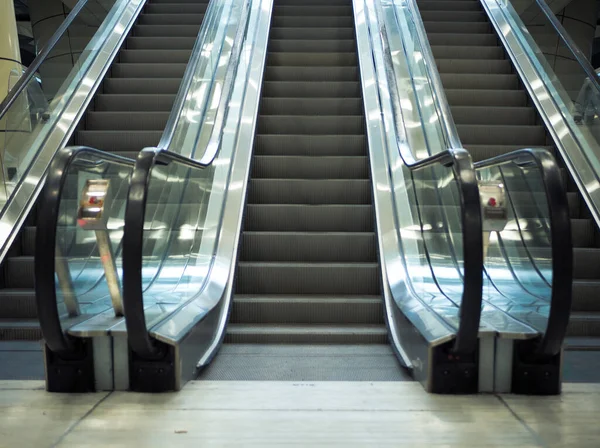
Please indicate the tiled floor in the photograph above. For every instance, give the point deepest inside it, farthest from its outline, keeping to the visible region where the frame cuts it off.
(249, 413)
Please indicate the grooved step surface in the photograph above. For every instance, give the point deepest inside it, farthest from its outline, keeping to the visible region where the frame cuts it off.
(128, 113)
(307, 270)
(494, 116)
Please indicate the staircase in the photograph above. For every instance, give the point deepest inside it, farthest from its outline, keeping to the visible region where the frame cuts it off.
(494, 115)
(129, 112)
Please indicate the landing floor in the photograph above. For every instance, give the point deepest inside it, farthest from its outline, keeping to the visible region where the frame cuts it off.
(256, 413)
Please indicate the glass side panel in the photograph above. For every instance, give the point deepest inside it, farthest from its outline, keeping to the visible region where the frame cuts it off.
(431, 234)
(35, 111)
(185, 205)
(559, 71)
(518, 259)
(80, 274)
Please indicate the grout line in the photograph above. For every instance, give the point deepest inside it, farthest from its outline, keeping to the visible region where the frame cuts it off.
(524, 424)
(80, 419)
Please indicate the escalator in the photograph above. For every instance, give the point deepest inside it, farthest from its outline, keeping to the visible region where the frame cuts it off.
(129, 112)
(494, 115)
(308, 271)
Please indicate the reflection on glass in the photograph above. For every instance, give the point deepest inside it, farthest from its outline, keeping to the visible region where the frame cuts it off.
(80, 275)
(34, 112)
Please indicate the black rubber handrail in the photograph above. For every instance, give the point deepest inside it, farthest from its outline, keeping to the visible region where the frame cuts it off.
(459, 160)
(560, 238)
(45, 249)
(133, 242)
(29, 74)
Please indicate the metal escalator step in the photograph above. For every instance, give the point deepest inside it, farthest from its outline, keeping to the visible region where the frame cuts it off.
(585, 295)
(313, 46)
(334, 73)
(493, 115)
(586, 263)
(583, 232)
(291, 89)
(462, 17)
(485, 97)
(28, 240)
(147, 70)
(298, 59)
(308, 334)
(160, 43)
(171, 19)
(18, 303)
(436, 5)
(479, 81)
(338, 247)
(309, 218)
(133, 121)
(141, 85)
(313, 191)
(308, 278)
(467, 51)
(312, 21)
(292, 309)
(19, 272)
(311, 10)
(308, 145)
(462, 39)
(171, 56)
(309, 125)
(176, 7)
(311, 106)
(470, 66)
(303, 167)
(312, 33)
(118, 141)
(141, 103)
(584, 324)
(20, 330)
(165, 30)
(440, 26)
(502, 135)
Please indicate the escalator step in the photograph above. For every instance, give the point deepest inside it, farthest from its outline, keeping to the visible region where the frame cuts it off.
(171, 19)
(502, 135)
(301, 191)
(308, 247)
(485, 97)
(18, 303)
(308, 145)
(436, 5)
(309, 125)
(323, 59)
(298, 89)
(323, 73)
(313, 21)
(311, 106)
(454, 17)
(176, 7)
(170, 56)
(146, 70)
(441, 26)
(499, 115)
(133, 121)
(309, 334)
(165, 31)
(317, 33)
(293, 309)
(479, 81)
(467, 51)
(312, 10)
(160, 43)
(142, 103)
(461, 39)
(307, 278)
(309, 218)
(19, 272)
(146, 86)
(118, 141)
(469, 66)
(308, 45)
(302, 167)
